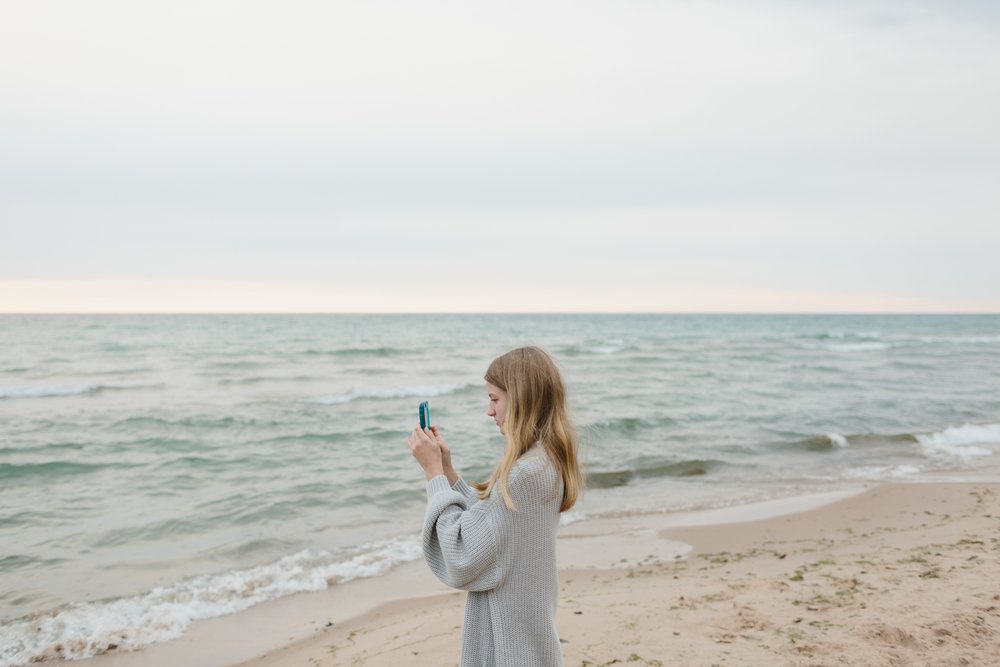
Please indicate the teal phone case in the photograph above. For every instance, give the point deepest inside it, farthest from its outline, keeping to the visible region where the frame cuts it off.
(425, 415)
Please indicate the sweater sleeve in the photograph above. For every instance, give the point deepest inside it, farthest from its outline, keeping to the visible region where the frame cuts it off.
(460, 539)
(466, 490)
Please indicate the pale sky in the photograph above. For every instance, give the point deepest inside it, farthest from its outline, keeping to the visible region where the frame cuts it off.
(373, 156)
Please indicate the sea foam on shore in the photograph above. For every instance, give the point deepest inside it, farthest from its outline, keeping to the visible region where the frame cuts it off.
(85, 630)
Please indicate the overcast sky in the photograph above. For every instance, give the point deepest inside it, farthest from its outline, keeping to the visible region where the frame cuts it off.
(766, 155)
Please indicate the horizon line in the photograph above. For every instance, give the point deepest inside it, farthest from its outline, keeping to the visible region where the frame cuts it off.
(575, 312)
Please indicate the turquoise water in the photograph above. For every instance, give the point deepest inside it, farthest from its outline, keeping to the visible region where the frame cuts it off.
(159, 469)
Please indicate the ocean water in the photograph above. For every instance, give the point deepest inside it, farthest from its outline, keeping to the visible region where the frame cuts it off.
(155, 470)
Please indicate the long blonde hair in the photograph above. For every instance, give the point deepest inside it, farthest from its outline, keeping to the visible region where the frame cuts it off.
(536, 412)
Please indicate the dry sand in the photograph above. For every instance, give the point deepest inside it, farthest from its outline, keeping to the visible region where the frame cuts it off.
(899, 575)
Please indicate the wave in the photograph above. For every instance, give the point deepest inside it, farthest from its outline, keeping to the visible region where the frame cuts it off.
(567, 518)
(953, 442)
(70, 390)
(115, 346)
(29, 518)
(322, 438)
(370, 433)
(242, 364)
(836, 439)
(381, 351)
(50, 447)
(850, 347)
(844, 335)
(882, 472)
(137, 370)
(961, 340)
(188, 422)
(613, 478)
(253, 547)
(958, 442)
(610, 346)
(864, 342)
(159, 530)
(83, 630)
(46, 392)
(16, 471)
(403, 392)
(257, 379)
(822, 443)
(627, 425)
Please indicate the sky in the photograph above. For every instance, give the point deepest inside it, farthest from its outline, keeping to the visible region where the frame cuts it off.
(542, 156)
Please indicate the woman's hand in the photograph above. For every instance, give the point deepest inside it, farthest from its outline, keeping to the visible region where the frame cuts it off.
(425, 449)
(445, 451)
(446, 464)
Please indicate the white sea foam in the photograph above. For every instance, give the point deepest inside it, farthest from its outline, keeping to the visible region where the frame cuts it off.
(610, 346)
(604, 349)
(960, 339)
(403, 392)
(857, 347)
(958, 442)
(837, 439)
(87, 629)
(883, 472)
(855, 335)
(566, 518)
(44, 392)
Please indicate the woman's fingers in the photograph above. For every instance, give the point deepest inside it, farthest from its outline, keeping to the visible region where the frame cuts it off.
(421, 439)
(425, 449)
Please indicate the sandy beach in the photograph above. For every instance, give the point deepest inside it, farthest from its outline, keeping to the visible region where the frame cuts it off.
(898, 574)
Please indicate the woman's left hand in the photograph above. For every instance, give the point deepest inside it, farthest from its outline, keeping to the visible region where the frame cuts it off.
(426, 451)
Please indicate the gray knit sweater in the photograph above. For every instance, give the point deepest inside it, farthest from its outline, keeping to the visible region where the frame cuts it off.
(505, 559)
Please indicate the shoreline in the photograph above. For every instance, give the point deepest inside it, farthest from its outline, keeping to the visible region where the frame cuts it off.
(896, 574)
(602, 547)
(590, 543)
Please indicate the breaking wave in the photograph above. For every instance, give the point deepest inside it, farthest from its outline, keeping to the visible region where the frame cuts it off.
(83, 630)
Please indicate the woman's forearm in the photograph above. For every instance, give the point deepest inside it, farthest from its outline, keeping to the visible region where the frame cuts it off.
(449, 472)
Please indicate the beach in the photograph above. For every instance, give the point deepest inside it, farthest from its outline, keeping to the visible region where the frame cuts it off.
(889, 574)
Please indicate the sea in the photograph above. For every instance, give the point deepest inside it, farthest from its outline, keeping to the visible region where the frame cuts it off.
(160, 469)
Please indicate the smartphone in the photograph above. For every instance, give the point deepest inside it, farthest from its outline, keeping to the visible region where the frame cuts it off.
(425, 415)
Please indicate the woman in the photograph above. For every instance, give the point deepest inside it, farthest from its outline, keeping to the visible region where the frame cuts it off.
(497, 539)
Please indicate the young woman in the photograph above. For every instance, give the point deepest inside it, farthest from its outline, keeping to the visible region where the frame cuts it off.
(497, 539)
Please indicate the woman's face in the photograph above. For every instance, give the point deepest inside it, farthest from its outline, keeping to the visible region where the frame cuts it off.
(498, 403)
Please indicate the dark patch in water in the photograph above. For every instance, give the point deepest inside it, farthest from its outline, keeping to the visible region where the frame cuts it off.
(55, 446)
(689, 468)
(19, 562)
(15, 471)
(355, 352)
(629, 425)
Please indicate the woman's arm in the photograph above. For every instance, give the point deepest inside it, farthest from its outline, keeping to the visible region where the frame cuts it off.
(460, 540)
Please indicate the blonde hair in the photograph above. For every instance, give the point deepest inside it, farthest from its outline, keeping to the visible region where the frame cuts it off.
(536, 412)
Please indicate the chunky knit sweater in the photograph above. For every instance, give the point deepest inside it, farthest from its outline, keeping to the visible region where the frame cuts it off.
(505, 559)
